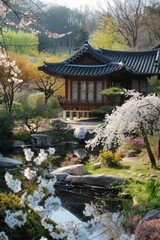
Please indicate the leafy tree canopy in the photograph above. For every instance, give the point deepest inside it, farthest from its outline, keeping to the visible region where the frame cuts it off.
(19, 41)
(107, 36)
(112, 91)
(154, 85)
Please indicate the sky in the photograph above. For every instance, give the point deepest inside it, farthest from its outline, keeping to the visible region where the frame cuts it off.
(79, 3)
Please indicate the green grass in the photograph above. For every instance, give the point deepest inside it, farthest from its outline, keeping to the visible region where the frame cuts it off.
(131, 169)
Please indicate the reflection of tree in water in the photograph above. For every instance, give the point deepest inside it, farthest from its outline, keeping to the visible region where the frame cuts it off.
(74, 200)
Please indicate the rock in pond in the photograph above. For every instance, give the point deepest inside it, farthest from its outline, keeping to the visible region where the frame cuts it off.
(6, 162)
(59, 176)
(80, 152)
(97, 165)
(40, 140)
(18, 144)
(80, 133)
(77, 170)
(95, 180)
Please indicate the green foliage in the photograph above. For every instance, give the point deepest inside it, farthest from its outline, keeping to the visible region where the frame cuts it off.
(35, 106)
(131, 223)
(59, 125)
(6, 128)
(105, 109)
(113, 97)
(59, 136)
(144, 196)
(19, 41)
(152, 188)
(33, 110)
(89, 166)
(9, 201)
(81, 37)
(17, 111)
(112, 91)
(107, 36)
(154, 85)
(34, 100)
(52, 108)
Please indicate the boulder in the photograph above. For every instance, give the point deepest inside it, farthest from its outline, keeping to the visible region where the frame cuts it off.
(9, 163)
(59, 176)
(97, 165)
(95, 180)
(18, 144)
(80, 152)
(132, 153)
(77, 170)
(41, 140)
(79, 133)
(152, 214)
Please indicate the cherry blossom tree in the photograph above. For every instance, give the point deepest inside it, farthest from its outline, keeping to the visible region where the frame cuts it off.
(9, 81)
(138, 114)
(24, 19)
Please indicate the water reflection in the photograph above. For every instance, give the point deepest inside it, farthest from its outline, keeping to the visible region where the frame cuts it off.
(74, 200)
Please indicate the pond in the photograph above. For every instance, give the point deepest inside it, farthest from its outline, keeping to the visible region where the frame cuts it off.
(74, 198)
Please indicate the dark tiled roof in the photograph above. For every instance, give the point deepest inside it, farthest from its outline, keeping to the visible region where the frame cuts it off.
(82, 70)
(87, 49)
(142, 62)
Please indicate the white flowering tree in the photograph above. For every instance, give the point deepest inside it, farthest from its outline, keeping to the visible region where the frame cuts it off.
(139, 113)
(9, 81)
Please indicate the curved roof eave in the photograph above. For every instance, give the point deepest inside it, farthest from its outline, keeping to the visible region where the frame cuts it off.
(83, 70)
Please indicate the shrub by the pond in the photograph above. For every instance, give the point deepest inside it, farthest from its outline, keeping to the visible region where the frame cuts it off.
(6, 127)
(71, 159)
(148, 230)
(131, 143)
(109, 158)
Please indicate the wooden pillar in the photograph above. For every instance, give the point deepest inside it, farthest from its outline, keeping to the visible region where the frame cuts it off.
(79, 93)
(71, 115)
(71, 90)
(66, 88)
(95, 91)
(64, 115)
(78, 115)
(86, 94)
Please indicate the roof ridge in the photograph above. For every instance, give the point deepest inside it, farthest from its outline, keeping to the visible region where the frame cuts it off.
(92, 65)
(87, 48)
(129, 52)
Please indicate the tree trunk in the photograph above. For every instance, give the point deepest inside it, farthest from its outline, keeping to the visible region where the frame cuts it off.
(45, 99)
(149, 151)
(158, 147)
